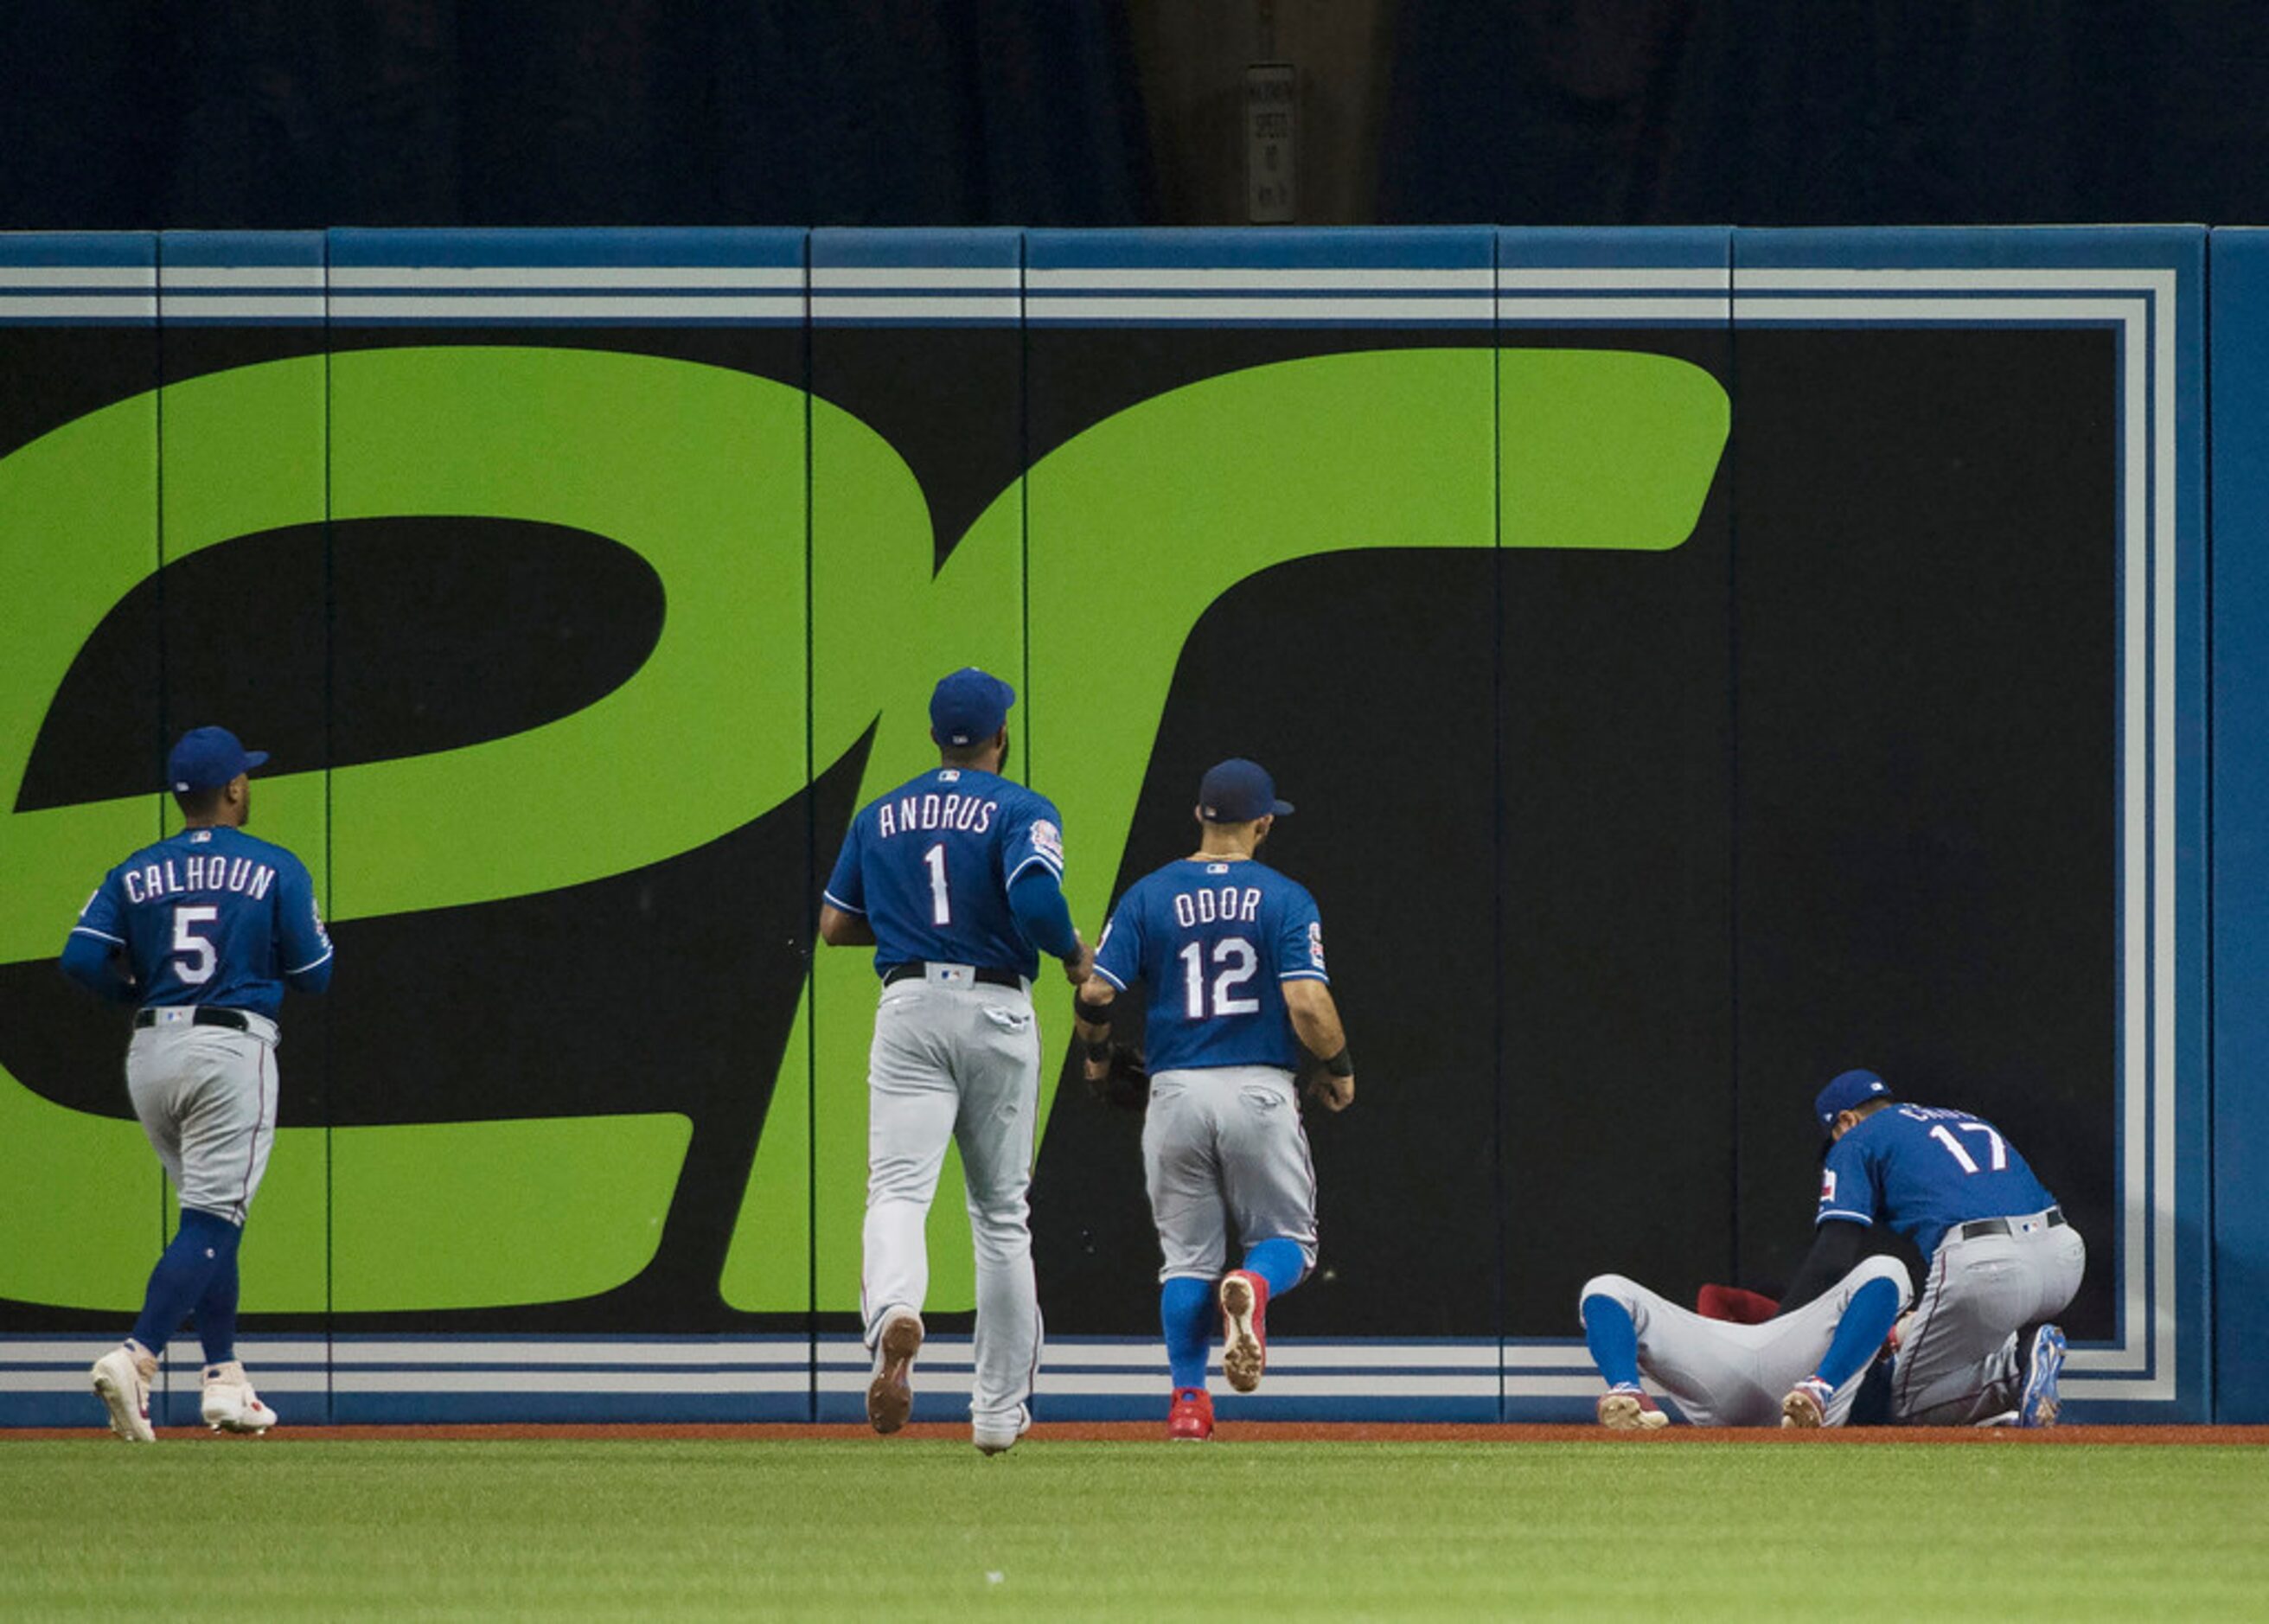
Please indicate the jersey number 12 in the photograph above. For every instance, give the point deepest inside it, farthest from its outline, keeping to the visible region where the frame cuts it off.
(1235, 958)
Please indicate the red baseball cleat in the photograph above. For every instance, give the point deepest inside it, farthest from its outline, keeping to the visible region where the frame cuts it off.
(1191, 1419)
(1243, 1328)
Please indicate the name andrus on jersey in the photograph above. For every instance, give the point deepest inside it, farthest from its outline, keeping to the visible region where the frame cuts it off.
(171, 878)
(909, 814)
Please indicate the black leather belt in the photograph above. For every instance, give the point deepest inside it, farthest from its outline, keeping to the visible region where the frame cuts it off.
(989, 977)
(203, 1014)
(2053, 1219)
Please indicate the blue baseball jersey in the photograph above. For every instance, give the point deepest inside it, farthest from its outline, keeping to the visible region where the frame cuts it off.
(929, 865)
(1922, 1170)
(211, 916)
(1214, 943)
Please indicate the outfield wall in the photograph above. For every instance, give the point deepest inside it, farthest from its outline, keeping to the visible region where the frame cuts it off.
(1704, 660)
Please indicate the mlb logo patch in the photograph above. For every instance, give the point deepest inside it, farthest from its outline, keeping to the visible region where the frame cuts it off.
(1826, 1187)
(1316, 943)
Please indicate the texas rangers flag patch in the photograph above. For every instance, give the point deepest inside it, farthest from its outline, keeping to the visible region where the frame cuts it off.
(1316, 943)
(1827, 1186)
(1048, 841)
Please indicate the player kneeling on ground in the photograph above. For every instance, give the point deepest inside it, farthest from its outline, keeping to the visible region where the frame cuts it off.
(1232, 952)
(1981, 1347)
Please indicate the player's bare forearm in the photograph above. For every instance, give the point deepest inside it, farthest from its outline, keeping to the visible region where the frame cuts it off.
(1094, 997)
(839, 928)
(1316, 1022)
(1315, 1017)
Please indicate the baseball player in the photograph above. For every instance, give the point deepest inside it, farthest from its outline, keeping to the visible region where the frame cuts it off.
(1981, 1345)
(203, 932)
(1232, 954)
(1723, 1374)
(955, 879)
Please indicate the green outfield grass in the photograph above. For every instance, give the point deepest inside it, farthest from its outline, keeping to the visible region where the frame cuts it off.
(903, 1530)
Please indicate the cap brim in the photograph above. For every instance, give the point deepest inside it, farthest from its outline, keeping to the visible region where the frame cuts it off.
(1279, 808)
(254, 758)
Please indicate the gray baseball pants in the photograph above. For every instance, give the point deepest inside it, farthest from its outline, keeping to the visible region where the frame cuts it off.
(206, 1097)
(1958, 1353)
(958, 1063)
(1225, 1158)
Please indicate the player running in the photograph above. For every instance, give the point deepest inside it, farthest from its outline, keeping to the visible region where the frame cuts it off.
(203, 931)
(955, 879)
(1232, 952)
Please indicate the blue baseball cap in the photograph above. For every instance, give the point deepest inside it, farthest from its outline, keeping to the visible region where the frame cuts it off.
(1847, 1091)
(208, 758)
(969, 706)
(1238, 791)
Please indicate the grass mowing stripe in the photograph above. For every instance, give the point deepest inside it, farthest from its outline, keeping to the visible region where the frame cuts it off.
(932, 1530)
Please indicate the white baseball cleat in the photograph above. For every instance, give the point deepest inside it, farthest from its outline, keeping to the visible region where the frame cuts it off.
(998, 1435)
(1244, 1298)
(230, 1404)
(890, 1395)
(121, 1381)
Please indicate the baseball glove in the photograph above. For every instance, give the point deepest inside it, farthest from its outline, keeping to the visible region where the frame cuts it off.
(1125, 1085)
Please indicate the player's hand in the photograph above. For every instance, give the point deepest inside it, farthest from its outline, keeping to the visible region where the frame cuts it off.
(1078, 968)
(1333, 1092)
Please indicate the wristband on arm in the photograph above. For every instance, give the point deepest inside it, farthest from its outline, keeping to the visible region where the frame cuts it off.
(1339, 1065)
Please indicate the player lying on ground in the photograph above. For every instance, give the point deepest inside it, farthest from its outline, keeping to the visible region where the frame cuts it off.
(203, 931)
(1232, 952)
(1801, 1368)
(1979, 1347)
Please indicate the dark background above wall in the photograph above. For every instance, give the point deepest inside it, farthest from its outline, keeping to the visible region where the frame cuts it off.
(133, 113)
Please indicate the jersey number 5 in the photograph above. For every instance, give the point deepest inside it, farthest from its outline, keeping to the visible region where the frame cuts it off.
(1969, 1162)
(193, 955)
(1234, 957)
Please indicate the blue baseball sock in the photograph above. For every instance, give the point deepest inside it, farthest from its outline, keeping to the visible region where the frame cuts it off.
(202, 1247)
(1185, 1313)
(215, 1314)
(1280, 1262)
(1866, 1321)
(1613, 1339)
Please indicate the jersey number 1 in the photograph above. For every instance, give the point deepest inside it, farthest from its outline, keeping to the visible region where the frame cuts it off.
(940, 900)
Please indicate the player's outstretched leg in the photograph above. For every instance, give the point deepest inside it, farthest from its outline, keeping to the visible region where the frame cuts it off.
(122, 1380)
(1612, 1336)
(1868, 1315)
(2043, 1363)
(230, 1405)
(890, 1395)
